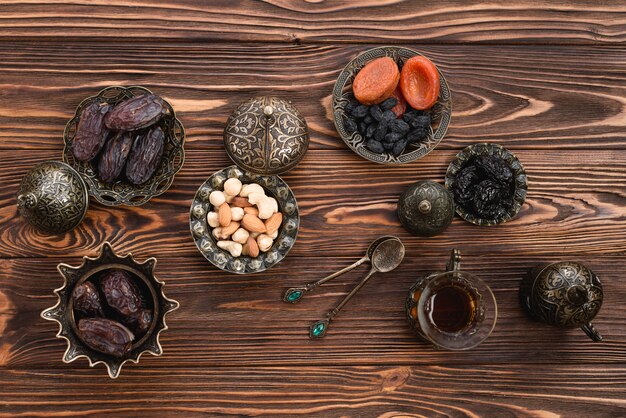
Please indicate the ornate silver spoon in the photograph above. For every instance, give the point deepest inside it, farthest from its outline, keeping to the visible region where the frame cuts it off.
(294, 294)
(387, 256)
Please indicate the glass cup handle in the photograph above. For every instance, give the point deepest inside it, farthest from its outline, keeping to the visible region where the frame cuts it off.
(591, 332)
(455, 261)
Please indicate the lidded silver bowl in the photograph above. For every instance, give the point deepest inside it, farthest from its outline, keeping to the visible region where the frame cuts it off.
(266, 135)
(53, 197)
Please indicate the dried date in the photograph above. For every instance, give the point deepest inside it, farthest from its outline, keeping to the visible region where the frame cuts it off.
(114, 156)
(139, 322)
(136, 113)
(120, 292)
(145, 156)
(86, 299)
(91, 132)
(105, 336)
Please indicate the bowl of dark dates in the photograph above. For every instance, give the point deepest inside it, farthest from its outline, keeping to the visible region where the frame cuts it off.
(126, 143)
(111, 310)
(391, 105)
(488, 183)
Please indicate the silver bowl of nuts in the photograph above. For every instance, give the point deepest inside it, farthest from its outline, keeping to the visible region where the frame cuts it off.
(244, 222)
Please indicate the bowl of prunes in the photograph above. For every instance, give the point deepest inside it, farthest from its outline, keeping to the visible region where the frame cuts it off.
(391, 105)
(126, 143)
(111, 310)
(488, 183)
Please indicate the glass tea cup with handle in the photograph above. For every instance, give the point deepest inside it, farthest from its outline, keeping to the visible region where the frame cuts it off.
(453, 310)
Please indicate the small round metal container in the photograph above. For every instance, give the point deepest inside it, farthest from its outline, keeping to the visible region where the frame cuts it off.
(266, 135)
(53, 197)
(426, 208)
(63, 311)
(206, 243)
(519, 175)
(566, 294)
(122, 192)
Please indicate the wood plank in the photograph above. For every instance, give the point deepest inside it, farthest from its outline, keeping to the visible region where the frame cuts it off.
(525, 97)
(230, 320)
(321, 392)
(575, 205)
(450, 21)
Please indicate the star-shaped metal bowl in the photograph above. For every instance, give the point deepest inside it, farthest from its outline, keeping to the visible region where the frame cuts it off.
(63, 311)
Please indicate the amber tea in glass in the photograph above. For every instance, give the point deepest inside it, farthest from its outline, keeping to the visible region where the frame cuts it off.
(454, 310)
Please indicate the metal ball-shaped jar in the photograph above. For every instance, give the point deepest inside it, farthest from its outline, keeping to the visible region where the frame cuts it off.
(266, 135)
(426, 208)
(52, 197)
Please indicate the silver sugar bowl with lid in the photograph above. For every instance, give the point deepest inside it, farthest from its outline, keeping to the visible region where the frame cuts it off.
(53, 197)
(266, 135)
(426, 208)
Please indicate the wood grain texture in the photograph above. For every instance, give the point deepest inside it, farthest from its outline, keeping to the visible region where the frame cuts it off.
(525, 97)
(575, 205)
(440, 391)
(448, 21)
(227, 320)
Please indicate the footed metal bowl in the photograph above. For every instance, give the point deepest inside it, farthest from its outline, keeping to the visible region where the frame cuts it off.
(63, 312)
(441, 112)
(122, 192)
(207, 245)
(521, 181)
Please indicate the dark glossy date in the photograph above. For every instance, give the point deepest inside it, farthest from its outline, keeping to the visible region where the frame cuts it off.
(106, 336)
(91, 132)
(136, 113)
(114, 156)
(86, 299)
(145, 156)
(120, 292)
(139, 322)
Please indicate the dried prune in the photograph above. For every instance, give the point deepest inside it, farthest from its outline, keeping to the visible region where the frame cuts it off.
(375, 146)
(136, 113)
(139, 322)
(86, 299)
(91, 132)
(399, 126)
(114, 156)
(495, 168)
(464, 183)
(489, 199)
(145, 156)
(120, 292)
(350, 125)
(105, 336)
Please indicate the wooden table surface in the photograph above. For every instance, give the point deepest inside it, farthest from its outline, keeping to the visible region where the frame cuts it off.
(546, 79)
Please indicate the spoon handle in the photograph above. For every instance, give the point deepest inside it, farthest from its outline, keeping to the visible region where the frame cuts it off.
(318, 329)
(294, 294)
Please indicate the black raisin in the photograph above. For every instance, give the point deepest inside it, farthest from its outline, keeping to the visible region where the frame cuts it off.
(399, 126)
(393, 137)
(362, 127)
(399, 147)
(359, 112)
(350, 107)
(381, 130)
(368, 119)
(388, 146)
(389, 115)
(389, 103)
(375, 146)
(376, 112)
(416, 135)
(369, 132)
(350, 125)
(422, 121)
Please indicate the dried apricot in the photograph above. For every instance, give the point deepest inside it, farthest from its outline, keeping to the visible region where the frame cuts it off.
(376, 81)
(400, 107)
(419, 82)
